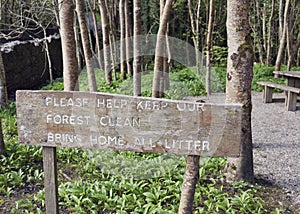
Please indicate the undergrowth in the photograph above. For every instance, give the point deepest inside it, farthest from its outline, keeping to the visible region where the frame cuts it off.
(118, 181)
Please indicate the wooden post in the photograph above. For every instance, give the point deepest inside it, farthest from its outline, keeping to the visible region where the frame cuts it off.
(291, 101)
(268, 94)
(50, 179)
(189, 184)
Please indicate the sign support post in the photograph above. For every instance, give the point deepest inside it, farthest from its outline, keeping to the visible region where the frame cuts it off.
(50, 179)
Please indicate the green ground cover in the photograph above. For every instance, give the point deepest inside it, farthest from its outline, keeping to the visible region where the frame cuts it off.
(126, 182)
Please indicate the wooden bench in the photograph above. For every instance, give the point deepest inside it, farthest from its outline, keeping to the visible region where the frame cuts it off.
(291, 94)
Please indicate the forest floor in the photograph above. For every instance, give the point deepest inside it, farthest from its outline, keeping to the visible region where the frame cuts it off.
(276, 141)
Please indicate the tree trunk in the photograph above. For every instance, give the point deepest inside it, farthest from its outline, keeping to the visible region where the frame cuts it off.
(3, 101)
(3, 88)
(78, 43)
(137, 47)
(270, 33)
(128, 26)
(283, 37)
(167, 63)
(264, 34)
(70, 66)
(195, 30)
(160, 50)
(98, 49)
(208, 46)
(88, 56)
(296, 48)
(281, 18)
(291, 42)
(105, 35)
(189, 184)
(122, 40)
(238, 83)
(258, 32)
(113, 39)
(2, 145)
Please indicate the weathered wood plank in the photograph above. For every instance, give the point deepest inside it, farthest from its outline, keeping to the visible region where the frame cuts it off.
(115, 122)
(50, 181)
(295, 74)
(282, 87)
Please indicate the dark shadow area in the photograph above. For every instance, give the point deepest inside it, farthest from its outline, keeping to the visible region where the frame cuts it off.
(25, 60)
(278, 100)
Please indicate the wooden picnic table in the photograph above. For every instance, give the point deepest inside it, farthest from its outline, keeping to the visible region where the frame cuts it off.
(293, 77)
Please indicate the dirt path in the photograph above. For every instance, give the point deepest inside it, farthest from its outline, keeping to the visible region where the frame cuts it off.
(276, 142)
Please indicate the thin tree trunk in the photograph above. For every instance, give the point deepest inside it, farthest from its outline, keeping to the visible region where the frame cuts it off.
(289, 36)
(113, 54)
(137, 47)
(195, 30)
(3, 101)
(296, 49)
(122, 40)
(167, 62)
(159, 50)
(70, 66)
(112, 39)
(189, 184)
(2, 144)
(281, 18)
(208, 46)
(283, 37)
(291, 42)
(128, 26)
(3, 88)
(257, 33)
(48, 56)
(105, 35)
(270, 33)
(98, 49)
(238, 83)
(264, 34)
(78, 43)
(88, 56)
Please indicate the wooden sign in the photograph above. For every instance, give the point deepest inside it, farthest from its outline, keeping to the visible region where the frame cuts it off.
(117, 122)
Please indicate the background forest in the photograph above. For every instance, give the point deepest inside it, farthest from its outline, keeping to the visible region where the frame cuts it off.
(202, 23)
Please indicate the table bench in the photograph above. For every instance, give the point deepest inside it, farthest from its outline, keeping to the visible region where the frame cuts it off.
(291, 94)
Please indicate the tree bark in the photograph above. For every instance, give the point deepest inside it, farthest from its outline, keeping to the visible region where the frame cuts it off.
(128, 26)
(283, 37)
(137, 49)
(159, 50)
(122, 40)
(70, 66)
(2, 145)
(112, 38)
(281, 18)
(291, 42)
(195, 30)
(238, 83)
(88, 56)
(3, 101)
(105, 35)
(270, 33)
(3, 88)
(208, 46)
(189, 184)
(98, 49)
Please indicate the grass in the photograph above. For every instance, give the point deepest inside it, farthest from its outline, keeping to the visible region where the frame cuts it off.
(124, 182)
